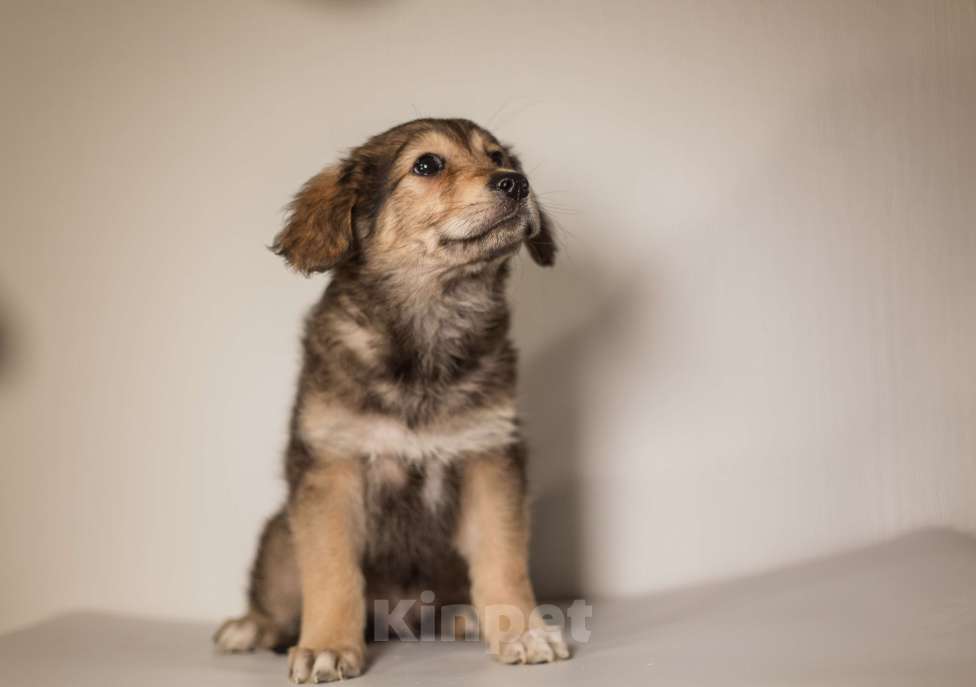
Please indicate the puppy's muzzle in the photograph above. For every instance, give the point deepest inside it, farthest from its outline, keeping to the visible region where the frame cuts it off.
(511, 184)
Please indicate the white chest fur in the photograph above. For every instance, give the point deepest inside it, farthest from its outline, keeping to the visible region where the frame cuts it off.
(336, 430)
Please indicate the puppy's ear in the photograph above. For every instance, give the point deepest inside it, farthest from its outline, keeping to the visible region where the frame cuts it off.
(542, 244)
(318, 233)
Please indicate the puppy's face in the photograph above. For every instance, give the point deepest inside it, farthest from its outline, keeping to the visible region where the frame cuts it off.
(456, 198)
(427, 197)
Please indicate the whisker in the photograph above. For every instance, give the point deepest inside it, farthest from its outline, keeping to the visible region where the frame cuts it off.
(497, 112)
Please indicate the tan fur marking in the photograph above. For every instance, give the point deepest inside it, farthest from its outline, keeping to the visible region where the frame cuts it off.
(386, 471)
(360, 340)
(493, 536)
(477, 141)
(284, 604)
(327, 523)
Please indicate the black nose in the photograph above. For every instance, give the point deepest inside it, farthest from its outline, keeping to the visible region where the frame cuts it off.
(512, 184)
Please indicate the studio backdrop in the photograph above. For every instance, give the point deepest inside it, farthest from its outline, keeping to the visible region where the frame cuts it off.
(757, 348)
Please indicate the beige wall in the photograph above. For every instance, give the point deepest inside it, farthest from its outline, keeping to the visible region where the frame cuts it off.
(758, 347)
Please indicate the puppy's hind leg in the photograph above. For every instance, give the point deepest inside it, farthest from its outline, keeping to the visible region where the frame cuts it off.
(274, 596)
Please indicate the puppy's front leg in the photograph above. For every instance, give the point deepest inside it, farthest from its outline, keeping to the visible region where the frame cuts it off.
(493, 536)
(327, 522)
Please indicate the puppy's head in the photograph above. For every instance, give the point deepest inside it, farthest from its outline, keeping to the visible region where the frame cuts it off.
(430, 196)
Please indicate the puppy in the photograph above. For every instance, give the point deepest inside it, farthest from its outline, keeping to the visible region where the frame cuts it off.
(405, 464)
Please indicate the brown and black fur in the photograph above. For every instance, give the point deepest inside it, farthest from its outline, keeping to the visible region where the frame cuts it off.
(410, 342)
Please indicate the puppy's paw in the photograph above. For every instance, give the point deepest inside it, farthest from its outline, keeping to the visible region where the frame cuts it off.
(538, 645)
(238, 635)
(324, 665)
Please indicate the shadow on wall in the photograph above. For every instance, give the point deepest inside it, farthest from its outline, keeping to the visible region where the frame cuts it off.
(556, 380)
(552, 397)
(7, 344)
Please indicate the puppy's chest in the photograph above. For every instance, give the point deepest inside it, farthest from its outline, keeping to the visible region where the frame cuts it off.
(418, 488)
(411, 514)
(331, 427)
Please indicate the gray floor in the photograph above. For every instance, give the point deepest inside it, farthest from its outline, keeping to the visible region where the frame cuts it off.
(903, 613)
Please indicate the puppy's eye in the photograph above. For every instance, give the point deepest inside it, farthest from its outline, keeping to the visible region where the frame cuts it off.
(497, 157)
(427, 165)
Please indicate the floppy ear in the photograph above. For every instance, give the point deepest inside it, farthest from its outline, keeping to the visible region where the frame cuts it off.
(318, 232)
(542, 246)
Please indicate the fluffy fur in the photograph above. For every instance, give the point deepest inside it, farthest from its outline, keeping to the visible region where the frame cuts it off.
(405, 464)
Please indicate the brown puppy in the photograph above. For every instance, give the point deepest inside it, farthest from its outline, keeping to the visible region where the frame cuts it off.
(405, 466)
